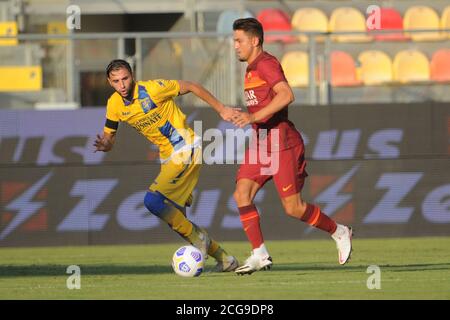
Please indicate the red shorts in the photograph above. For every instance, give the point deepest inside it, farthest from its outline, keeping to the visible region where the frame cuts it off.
(289, 175)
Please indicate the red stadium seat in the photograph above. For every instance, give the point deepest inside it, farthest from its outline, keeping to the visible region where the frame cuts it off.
(440, 66)
(390, 19)
(343, 70)
(275, 20)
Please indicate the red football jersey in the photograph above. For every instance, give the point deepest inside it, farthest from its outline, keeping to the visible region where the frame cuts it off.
(260, 78)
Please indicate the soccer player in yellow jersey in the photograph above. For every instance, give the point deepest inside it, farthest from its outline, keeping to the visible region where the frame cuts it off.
(148, 106)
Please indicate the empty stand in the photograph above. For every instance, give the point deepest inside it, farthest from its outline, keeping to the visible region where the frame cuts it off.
(8, 29)
(275, 20)
(296, 68)
(422, 18)
(343, 70)
(445, 20)
(390, 19)
(309, 20)
(57, 27)
(348, 19)
(20, 78)
(227, 17)
(411, 66)
(375, 67)
(440, 66)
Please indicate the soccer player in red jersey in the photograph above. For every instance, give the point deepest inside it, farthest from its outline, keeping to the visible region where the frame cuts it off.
(267, 96)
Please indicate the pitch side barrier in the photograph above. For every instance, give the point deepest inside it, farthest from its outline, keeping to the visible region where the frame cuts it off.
(384, 169)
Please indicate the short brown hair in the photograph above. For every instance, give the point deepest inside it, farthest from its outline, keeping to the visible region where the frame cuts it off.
(116, 65)
(251, 26)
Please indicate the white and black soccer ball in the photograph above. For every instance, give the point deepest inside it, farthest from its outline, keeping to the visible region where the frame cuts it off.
(188, 261)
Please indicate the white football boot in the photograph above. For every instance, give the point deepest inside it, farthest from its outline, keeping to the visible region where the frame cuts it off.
(255, 263)
(343, 238)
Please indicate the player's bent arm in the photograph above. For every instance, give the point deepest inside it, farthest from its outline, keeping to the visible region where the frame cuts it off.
(283, 97)
(106, 142)
(202, 93)
(110, 138)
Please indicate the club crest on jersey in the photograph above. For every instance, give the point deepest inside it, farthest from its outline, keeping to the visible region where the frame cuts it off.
(145, 101)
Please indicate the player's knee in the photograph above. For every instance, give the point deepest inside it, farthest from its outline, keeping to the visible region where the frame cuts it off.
(291, 210)
(241, 197)
(295, 209)
(154, 202)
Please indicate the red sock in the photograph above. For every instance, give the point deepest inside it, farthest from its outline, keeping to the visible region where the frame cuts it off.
(250, 221)
(316, 218)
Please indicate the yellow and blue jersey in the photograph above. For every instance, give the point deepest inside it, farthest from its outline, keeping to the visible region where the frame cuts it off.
(154, 114)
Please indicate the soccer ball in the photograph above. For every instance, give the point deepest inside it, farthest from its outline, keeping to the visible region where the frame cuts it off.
(188, 261)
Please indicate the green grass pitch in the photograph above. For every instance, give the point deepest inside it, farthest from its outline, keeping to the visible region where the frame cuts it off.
(411, 268)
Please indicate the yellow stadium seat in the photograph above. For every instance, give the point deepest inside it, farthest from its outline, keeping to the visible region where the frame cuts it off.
(445, 20)
(57, 27)
(309, 20)
(424, 18)
(346, 19)
(8, 29)
(411, 66)
(20, 78)
(375, 67)
(296, 68)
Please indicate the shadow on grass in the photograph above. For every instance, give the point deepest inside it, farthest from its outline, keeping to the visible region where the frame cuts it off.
(7, 271)
(359, 268)
(60, 270)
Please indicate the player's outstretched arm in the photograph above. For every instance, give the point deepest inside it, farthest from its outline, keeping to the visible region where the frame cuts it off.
(105, 142)
(225, 112)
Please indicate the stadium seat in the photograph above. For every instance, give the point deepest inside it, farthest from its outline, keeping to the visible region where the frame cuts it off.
(440, 66)
(20, 78)
(411, 66)
(227, 17)
(445, 20)
(309, 20)
(424, 18)
(343, 70)
(375, 67)
(347, 19)
(275, 20)
(296, 68)
(8, 29)
(56, 27)
(390, 19)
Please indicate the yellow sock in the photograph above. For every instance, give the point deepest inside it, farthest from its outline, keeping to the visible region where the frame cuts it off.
(178, 222)
(186, 229)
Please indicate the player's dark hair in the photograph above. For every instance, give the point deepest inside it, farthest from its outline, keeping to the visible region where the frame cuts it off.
(116, 65)
(251, 26)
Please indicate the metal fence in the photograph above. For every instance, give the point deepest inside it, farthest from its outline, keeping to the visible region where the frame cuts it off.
(206, 57)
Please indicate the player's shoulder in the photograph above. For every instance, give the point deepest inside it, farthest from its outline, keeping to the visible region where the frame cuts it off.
(156, 85)
(114, 100)
(268, 60)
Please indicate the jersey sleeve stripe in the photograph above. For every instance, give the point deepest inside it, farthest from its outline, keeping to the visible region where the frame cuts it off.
(111, 124)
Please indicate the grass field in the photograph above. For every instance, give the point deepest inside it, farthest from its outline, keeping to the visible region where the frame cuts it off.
(411, 268)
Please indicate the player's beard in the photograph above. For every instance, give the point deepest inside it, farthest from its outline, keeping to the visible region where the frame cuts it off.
(241, 58)
(129, 96)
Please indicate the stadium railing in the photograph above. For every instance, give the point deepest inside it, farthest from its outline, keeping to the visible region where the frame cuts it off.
(207, 57)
